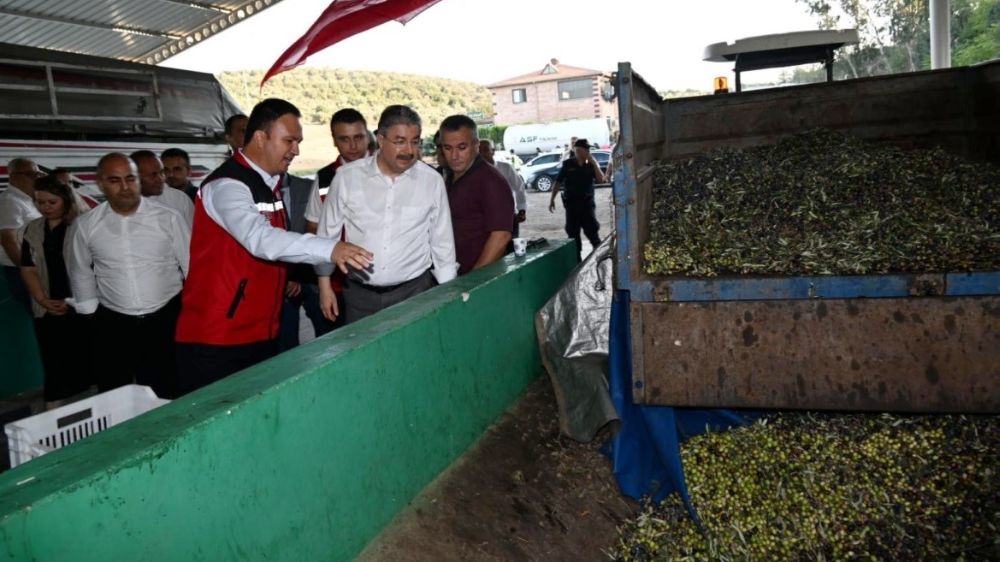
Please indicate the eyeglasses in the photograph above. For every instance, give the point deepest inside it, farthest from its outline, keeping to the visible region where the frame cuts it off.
(400, 143)
(33, 174)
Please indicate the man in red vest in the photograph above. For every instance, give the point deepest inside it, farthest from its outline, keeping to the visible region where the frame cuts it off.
(232, 298)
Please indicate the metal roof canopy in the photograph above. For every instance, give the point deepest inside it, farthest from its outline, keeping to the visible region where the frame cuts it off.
(782, 49)
(143, 31)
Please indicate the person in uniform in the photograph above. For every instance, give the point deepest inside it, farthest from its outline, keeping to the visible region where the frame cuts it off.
(577, 178)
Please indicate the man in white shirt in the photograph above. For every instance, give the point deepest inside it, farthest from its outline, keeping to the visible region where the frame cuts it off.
(151, 182)
(233, 296)
(396, 206)
(126, 260)
(17, 208)
(486, 150)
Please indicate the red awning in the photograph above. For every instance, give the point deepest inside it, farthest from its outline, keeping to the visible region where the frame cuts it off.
(342, 19)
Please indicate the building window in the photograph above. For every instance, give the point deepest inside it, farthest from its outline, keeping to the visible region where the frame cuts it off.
(576, 89)
(520, 95)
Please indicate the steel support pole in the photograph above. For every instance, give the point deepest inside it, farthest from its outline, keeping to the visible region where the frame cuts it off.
(940, 22)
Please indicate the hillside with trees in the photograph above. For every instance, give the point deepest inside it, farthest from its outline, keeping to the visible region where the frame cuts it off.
(318, 92)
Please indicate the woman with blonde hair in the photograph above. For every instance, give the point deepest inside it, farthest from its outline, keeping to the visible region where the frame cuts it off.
(61, 333)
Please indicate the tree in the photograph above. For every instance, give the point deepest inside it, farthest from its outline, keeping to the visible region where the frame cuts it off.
(895, 34)
(321, 91)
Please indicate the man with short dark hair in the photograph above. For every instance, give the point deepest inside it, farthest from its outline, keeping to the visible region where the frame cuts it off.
(232, 300)
(177, 170)
(126, 261)
(151, 181)
(235, 132)
(350, 137)
(397, 206)
(479, 197)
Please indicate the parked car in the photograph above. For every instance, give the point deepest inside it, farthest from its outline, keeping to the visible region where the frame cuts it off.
(542, 161)
(543, 177)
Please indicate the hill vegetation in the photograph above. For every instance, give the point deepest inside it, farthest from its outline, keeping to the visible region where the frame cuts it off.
(318, 92)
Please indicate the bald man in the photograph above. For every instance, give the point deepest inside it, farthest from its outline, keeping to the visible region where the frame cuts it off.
(127, 260)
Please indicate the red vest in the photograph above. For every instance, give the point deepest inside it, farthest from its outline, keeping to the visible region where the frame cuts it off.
(231, 297)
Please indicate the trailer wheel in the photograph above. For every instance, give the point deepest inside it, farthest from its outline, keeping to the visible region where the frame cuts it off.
(543, 183)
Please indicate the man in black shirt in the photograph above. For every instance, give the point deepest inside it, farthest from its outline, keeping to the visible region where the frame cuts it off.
(578, 175)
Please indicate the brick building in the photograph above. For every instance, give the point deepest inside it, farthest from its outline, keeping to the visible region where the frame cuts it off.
(555, 93)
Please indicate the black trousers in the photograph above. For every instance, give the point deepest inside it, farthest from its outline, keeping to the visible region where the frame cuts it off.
(362, 300)
(140, 349)
(64, 342)
(200, 364)
(580, 214)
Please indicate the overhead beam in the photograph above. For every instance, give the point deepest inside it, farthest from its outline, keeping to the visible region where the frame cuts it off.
(85, 23)
(226, 18)
(202, 5)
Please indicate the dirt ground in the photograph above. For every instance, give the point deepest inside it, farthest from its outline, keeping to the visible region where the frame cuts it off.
(550, 225)
(523, 492)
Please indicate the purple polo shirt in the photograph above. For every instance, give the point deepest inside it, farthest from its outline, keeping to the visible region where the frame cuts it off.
(481, 202)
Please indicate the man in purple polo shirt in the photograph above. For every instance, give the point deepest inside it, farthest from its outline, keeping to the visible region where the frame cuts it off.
(480, 198)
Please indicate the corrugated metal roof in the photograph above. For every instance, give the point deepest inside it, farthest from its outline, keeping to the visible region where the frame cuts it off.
(146, 31)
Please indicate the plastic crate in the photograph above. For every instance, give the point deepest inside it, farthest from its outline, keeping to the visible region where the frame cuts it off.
(32, 437)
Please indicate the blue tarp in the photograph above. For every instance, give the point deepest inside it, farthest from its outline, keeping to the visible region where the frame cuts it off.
(646, 450)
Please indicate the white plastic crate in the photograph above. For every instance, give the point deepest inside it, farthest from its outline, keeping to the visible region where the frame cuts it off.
(34, 436)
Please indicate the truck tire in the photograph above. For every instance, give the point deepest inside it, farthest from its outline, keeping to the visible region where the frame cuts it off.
(543, 183)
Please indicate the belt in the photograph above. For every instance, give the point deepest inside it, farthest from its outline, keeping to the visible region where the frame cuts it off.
(382, 289)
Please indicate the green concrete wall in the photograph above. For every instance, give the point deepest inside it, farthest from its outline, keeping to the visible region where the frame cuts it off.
(20, 362)
(303, 457)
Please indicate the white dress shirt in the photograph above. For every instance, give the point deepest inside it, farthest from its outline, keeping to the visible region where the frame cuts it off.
(404, 221)
(17, 209)
(130, 264)
(178, 201)
(314, 207)
(230, 204)
(516, 184)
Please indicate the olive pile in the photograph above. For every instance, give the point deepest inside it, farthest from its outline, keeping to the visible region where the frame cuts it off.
(823, 203)
(832, 487)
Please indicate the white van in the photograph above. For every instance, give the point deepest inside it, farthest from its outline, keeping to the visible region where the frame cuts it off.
(533, 139)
